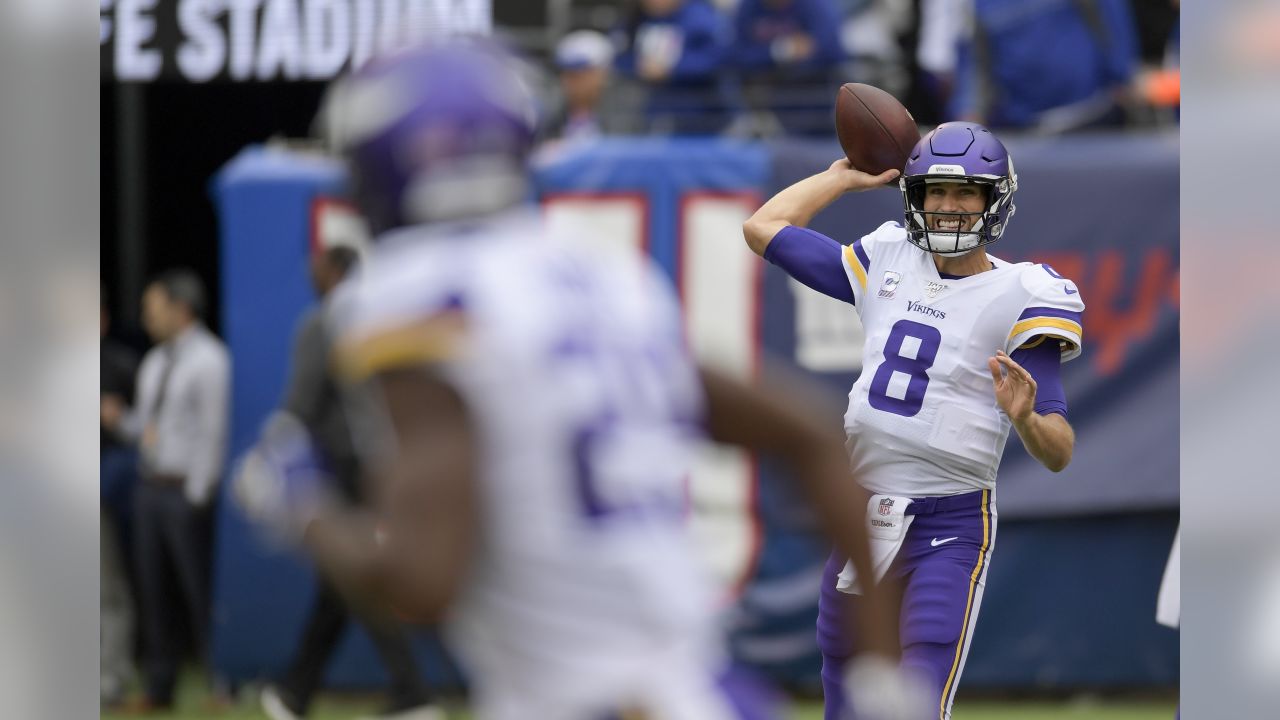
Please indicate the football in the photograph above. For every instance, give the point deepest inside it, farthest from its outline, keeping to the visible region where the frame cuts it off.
(876, 132)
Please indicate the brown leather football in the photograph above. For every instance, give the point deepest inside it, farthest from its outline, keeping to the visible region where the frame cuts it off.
(875, 130)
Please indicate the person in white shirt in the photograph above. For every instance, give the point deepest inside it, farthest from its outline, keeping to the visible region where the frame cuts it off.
(180, 425)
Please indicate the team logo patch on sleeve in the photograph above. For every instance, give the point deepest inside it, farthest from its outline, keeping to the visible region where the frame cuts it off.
(889, 285)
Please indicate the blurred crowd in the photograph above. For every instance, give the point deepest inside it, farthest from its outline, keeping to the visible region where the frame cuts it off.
(761, 68)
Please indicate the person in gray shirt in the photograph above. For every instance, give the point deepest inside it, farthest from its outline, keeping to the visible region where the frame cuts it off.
(314, 400)
(179, 423)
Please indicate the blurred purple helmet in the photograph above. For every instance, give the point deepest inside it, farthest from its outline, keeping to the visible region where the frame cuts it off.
(436, 133)
(959, 152)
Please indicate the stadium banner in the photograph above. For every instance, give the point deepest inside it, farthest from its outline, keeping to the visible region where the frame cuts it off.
(1100, 210)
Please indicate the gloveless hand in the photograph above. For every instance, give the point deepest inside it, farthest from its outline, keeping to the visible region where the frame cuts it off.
(855, 180)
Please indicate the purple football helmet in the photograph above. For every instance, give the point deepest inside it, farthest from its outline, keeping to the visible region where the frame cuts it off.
(437, 133)
(959, 152)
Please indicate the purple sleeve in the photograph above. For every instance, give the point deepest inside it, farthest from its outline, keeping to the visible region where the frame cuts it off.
(813, 259)
(1044, 362)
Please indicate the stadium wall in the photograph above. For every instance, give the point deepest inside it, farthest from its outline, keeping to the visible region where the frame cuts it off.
(1071, 593)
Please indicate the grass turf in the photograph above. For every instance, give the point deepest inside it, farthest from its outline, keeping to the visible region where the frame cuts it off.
(193, 704)
(983, 710)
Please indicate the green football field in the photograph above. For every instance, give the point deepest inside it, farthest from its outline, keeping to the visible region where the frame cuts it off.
(975, 710)
(193, 704)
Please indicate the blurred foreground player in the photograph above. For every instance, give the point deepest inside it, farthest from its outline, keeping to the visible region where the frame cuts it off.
(532, 413)
(960, 346)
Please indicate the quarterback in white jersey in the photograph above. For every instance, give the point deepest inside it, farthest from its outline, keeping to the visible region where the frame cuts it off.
(923, 412)
(529, 411)
(960, 346)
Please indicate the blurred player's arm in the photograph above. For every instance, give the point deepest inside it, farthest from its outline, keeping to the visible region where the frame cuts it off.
(772, 420)
(797, 204)
(1047, 436)
(411, 555)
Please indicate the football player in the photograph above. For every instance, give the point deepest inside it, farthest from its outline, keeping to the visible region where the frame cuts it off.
(960, 347)
(530, 413)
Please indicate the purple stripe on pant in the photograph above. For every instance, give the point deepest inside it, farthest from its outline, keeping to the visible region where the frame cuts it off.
(941, 568)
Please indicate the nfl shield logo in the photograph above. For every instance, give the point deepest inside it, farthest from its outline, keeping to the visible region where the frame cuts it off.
(886, 506)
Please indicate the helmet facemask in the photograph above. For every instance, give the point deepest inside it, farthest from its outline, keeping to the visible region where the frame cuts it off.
(988, 225)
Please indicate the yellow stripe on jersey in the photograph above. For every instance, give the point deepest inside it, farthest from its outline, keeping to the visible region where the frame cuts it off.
(433, 339)
(1034, 343)
(858, 271)
(968, 608)
(1046, 322)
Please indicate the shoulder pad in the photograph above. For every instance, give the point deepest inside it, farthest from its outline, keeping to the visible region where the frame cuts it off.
(1047, 287)
(889, 232)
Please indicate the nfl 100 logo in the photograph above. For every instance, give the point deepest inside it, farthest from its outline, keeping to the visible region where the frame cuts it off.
(889, 285)
(886, 506)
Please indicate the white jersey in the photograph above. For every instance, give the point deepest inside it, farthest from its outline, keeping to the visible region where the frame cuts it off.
(922, 418)
(585, 594)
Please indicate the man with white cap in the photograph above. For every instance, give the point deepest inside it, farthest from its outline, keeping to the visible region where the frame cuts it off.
(583, 59)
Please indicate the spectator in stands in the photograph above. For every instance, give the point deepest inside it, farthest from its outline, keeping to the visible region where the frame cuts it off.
(180, 425)
(1158, 81)
(583, 59)
(118, 471)
(870, 34)
(789, 52)
(933, 43)
(1049, 66)
(906, 48)
(676, 49)
(313, 398)
(1156, 22)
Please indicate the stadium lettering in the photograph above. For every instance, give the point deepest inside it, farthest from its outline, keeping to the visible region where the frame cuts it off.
(917, 306)
(266, 40)
(133, 28)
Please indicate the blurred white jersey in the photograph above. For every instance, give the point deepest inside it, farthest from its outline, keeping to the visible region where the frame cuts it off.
(585, 598)
(922, 418)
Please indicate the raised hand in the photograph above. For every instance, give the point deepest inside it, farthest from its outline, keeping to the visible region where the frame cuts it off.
(855, 180)
(1014, 387)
